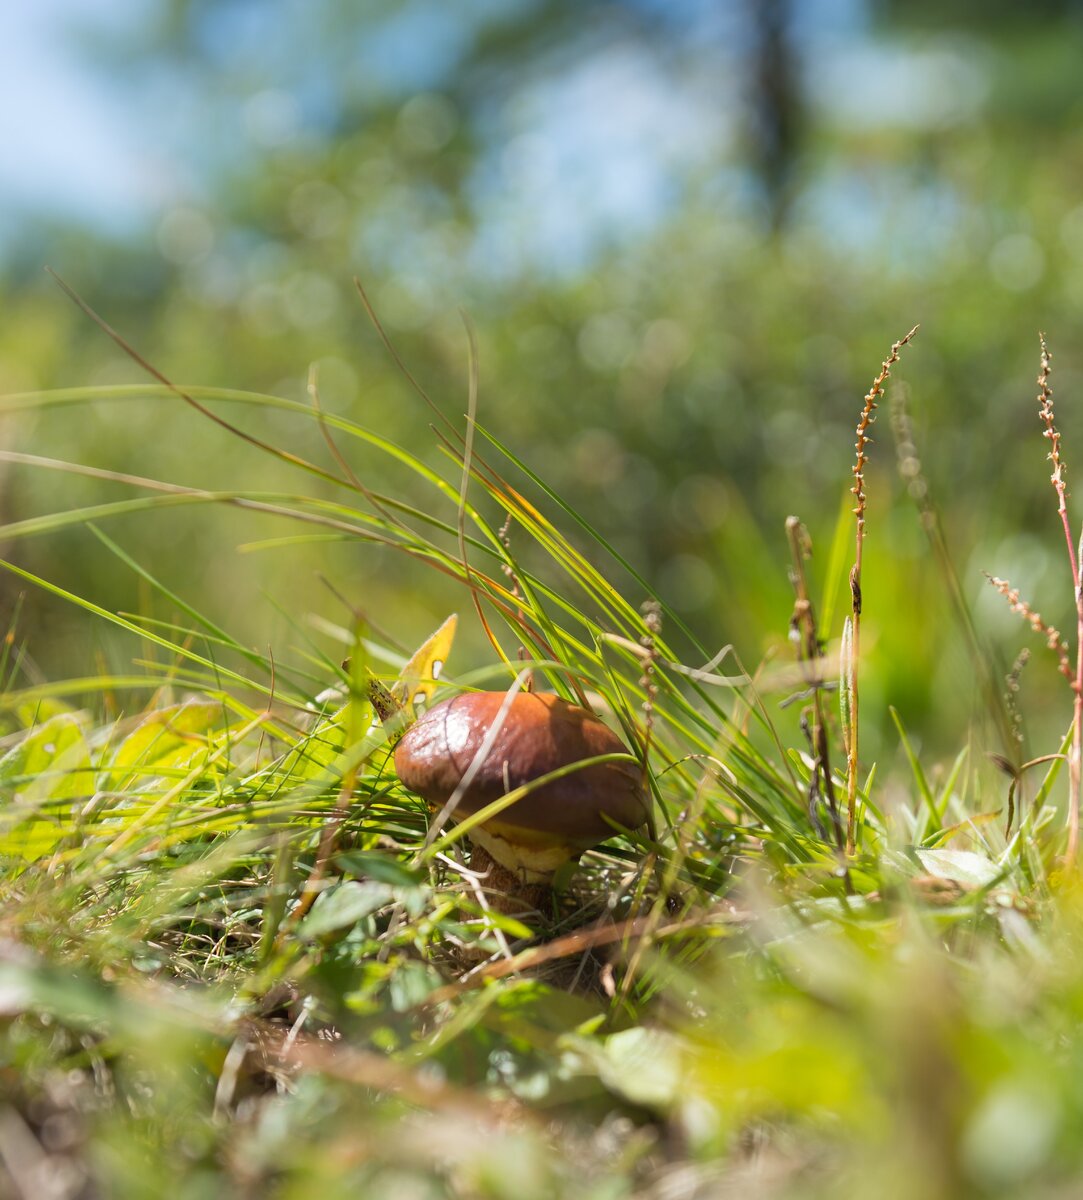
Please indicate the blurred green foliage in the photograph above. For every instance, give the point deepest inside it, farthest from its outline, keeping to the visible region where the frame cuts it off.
(686, 375)
(682, 357)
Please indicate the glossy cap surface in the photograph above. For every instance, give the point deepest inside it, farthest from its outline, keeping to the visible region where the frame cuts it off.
(539, 733)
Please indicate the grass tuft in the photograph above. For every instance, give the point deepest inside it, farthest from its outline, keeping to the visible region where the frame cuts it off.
(235, 948)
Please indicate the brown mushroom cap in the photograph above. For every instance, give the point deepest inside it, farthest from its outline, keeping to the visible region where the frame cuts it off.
(540, 733)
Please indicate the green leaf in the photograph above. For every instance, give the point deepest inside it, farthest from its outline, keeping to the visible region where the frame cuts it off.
(51, 763)
(642, 1065)
(917, 771)
(172, 738)
(411, 983)
(371, 864)
(343, 906)
(962, 866)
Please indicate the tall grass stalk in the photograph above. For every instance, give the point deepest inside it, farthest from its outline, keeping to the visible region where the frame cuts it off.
(810, 652)
(868, 415)
(1075, 758)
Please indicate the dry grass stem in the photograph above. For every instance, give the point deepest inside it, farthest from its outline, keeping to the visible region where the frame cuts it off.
(1045, 412)
(1057, 478)
(868, 415)
(804, 632)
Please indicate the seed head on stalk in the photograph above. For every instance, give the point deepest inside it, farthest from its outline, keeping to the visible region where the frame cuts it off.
(868, 415)
(1057, 478)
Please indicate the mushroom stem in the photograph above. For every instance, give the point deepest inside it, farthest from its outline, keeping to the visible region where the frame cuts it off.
(508, 891)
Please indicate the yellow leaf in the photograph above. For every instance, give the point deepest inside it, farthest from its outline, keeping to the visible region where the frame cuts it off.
(415, 685)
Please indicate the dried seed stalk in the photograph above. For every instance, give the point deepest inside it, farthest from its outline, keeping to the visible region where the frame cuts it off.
(1057, 478)
(868, 415)
(1053, 638)
(810, 653)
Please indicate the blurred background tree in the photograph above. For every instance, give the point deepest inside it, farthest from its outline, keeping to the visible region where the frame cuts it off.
(686, 235)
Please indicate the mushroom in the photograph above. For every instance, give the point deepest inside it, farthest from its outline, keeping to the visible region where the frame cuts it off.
(479, 746)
